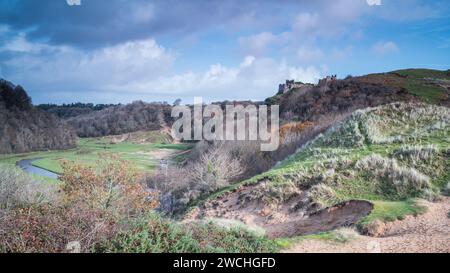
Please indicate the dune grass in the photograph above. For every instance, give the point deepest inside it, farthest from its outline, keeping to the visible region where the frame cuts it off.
(387, 155)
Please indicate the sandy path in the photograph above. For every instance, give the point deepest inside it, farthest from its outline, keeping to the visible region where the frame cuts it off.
(429, 232)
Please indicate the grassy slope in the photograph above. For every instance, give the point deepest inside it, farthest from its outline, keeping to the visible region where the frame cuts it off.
(423, 83)
(338, 160)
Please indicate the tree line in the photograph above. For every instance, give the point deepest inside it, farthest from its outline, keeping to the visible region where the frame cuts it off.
(25, 128)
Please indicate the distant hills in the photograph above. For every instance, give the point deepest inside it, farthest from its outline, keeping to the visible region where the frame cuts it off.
(24, 128)
(28, 128)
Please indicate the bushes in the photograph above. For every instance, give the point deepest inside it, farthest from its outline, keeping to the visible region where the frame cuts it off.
(104, 210)
(416, 153)
(113, 186)
(394, 180)
(323, 196)
(19, 189)
(153, 234)
(214, 169)
(94, 205)
(47, 228)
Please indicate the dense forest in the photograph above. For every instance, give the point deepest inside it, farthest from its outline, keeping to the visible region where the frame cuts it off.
(122, 119)
(24, 128)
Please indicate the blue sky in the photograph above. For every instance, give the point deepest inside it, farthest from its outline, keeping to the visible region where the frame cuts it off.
(109, 51)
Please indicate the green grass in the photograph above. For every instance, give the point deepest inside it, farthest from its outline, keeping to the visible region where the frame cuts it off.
(423, 83)
(424, 73)
(420, 82)
(90, 150)
(329, 236)
(386, 211)
(429, 93)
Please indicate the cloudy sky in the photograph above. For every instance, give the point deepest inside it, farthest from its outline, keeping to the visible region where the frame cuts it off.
(121, 50)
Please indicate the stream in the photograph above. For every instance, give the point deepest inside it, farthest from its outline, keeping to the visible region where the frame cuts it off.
(26, 165)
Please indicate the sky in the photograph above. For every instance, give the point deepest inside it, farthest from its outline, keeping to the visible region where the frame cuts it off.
(111, 51)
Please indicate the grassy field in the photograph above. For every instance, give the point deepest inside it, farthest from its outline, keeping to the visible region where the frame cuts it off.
(88, 151)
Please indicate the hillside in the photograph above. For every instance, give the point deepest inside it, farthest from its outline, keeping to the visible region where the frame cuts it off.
(428, 85)
(24, 128)
(121, 119)
(385, 155)
(336, 97)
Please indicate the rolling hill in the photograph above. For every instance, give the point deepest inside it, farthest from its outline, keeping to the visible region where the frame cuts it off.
(386, 155)
(24, 128)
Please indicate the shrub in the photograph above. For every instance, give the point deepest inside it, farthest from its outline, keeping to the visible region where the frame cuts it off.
(153, 234)
(46, 228)
(95, 205)
(20, 189)
(416, 153)
(112, 186)
(214, 169)
(447, 189)
(323, 196)
(392, 179)
(270, 193)
(375, 228)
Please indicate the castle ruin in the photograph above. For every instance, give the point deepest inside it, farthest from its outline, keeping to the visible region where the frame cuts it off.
(327, 80)
(291, 84)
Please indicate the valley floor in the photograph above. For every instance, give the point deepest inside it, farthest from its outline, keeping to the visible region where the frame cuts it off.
(426, 233)
(143, 156)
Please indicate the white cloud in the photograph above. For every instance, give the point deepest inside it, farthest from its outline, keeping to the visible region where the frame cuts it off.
(310, 54)
(254, 78)
(248, 61)
(383, 48)
(258, 43)
(45, 65)
(306, 22)
(19, 43)
(143, 70)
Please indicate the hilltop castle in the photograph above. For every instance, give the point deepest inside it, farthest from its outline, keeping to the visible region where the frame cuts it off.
(291, 84)
(328, 79)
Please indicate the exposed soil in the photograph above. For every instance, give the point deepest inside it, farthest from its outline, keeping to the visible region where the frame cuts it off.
(298, 216)
(342, 215)
(429, 232)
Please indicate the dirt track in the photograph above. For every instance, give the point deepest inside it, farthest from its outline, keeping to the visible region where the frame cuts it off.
(429, 232)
